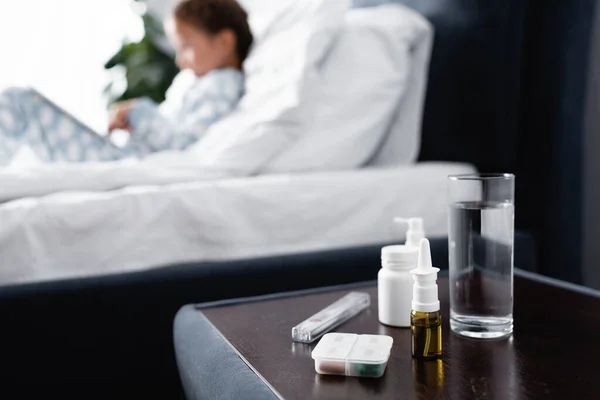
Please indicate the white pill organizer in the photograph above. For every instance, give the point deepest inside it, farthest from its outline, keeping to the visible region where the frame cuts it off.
(352, 355)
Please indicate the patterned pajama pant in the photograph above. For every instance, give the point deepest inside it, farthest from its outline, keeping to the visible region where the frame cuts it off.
(26, 118)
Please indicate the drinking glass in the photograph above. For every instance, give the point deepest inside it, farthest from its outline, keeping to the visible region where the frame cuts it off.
(480, 243)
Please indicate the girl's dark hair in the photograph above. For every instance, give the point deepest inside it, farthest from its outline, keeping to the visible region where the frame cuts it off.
(213, 16)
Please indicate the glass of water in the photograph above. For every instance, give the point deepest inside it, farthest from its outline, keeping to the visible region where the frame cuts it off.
(480, 243)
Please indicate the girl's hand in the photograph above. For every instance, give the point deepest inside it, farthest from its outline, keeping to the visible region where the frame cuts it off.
(118, 116)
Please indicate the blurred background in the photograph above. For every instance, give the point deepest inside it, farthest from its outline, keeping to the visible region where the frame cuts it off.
(118, 52)
(84, 72)
(92, 53)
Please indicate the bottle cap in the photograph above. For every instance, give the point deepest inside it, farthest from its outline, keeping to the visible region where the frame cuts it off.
(425, 289)
(399, 257)
(415, 230)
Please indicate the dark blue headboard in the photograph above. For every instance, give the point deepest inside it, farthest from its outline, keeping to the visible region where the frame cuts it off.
(506, 93)
(557, 47)
(472, 106)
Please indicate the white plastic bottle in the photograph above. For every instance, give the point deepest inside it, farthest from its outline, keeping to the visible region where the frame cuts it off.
(394, 280)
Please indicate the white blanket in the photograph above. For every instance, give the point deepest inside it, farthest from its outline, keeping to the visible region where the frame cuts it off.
(84, 233)
(159, 169)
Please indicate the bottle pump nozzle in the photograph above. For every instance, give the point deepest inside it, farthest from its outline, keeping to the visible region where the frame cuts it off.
(415, 231)
(425, 290)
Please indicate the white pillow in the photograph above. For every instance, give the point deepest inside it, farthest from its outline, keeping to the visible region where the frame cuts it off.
(401, 145)
(362, 81)
(370, 100)
(268, 17)
(281, 77)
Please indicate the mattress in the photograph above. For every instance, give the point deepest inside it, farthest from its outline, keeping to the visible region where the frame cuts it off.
(78, 234)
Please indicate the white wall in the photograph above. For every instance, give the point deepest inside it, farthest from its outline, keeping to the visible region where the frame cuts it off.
(60, 46)
(160, 8)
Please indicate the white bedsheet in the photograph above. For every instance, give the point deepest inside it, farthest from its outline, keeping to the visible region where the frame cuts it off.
(74, 234)
(161, 168)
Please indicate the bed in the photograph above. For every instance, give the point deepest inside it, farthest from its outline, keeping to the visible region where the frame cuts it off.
(68, 235)
(71, 221)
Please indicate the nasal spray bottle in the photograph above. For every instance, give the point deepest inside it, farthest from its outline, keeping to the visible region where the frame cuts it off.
(425, 318)
(394, 281)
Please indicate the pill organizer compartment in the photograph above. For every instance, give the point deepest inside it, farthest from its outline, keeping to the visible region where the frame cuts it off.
(352, 355)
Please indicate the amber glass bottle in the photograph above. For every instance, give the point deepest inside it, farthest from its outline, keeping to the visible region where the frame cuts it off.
(426, 330)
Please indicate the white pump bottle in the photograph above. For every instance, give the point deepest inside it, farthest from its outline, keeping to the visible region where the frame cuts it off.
(415, 231)
(394, 280)
(425, 289)
(426, 320)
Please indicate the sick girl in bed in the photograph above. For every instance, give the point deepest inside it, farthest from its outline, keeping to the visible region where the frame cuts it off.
(211, 38)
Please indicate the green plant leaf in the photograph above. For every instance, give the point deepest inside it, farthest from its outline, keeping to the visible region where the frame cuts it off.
(149, 71)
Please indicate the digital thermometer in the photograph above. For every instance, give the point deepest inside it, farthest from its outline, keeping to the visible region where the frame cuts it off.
(331, 316)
